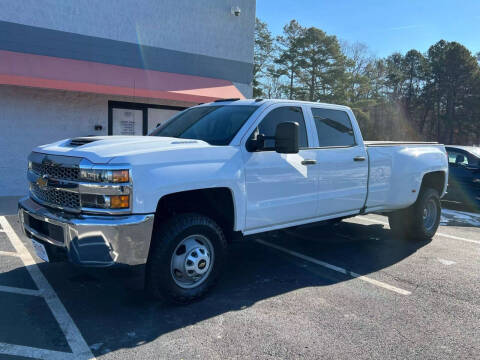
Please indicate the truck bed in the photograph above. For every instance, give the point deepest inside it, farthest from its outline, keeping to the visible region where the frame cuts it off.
(396, 169)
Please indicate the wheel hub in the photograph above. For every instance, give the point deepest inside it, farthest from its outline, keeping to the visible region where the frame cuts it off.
(197, 261)
(192, 261)
(430, 213)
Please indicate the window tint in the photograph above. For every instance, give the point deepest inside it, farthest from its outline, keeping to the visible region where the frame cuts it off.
(269, 124)
(334, 127)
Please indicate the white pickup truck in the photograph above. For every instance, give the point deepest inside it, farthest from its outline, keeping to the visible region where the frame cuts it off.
(173, 200)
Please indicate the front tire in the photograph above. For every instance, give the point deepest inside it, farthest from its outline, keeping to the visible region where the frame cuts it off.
(186, 257)
(419, 221)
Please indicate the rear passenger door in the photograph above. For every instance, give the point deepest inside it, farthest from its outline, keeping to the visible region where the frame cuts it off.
(341, 163)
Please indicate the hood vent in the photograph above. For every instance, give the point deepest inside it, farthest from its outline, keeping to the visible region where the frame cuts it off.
(81, 141)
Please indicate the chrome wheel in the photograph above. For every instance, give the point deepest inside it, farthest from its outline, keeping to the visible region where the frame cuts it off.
(430, 212)
(192, 261)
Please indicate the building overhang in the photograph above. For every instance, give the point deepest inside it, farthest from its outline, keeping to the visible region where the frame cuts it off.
(49, 72)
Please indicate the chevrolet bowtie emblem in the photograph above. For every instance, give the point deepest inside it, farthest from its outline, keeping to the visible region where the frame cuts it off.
(42, 182)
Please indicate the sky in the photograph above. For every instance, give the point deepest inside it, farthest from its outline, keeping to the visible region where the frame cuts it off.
(385, 26)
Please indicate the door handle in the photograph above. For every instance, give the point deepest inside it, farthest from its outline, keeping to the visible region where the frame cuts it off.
(309, 162)
(359, 158)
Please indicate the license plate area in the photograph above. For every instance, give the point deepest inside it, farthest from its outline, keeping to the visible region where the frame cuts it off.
(40, 250)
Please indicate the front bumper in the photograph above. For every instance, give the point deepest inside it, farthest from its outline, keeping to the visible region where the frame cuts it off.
(88, 240)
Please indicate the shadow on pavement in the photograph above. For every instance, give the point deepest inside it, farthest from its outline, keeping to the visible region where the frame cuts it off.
(112, 311)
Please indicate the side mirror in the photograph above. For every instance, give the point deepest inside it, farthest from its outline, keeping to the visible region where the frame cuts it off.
(286, 138)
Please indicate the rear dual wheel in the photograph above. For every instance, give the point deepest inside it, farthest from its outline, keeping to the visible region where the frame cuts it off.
(420, 221)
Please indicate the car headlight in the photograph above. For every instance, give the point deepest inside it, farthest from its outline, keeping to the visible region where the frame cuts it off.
(476, 180)
(103, 175)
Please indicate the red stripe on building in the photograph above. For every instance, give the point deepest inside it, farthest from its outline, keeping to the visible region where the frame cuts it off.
(76, 75)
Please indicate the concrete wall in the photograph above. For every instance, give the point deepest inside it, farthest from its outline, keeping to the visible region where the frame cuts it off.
(32, 117)
(197, 26)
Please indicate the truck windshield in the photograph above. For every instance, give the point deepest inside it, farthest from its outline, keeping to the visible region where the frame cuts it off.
(216, 125)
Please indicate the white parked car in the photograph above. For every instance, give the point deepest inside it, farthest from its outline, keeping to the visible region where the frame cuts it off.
(175, 199)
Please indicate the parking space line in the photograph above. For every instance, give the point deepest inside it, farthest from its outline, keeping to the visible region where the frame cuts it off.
(72, 334)
(336, 268)
(36, 353)
(8, 253)
(437, 234)
(20, 291)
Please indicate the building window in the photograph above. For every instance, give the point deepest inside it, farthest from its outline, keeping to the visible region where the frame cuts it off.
(126, 118)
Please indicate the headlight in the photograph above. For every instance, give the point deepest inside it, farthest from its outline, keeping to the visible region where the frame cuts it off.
(106, 201)
(476, 181)
(111, 176)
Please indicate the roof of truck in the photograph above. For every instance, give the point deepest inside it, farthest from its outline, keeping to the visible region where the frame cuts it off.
(273, 101)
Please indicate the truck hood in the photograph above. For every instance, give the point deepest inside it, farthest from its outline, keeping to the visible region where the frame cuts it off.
(102, 149)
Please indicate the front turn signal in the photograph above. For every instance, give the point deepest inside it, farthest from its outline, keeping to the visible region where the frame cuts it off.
(119, 201)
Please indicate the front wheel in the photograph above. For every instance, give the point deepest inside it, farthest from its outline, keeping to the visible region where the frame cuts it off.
(419, 221)
(186, 257)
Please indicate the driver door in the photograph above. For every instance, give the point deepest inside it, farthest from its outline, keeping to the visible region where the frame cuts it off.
(280, 188)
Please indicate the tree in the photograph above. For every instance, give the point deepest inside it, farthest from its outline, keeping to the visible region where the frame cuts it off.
(262, 50)
(416, 72)
(274, 87)
(396, 77)
(455, 73)
(412, 96)
(322, 64)
(289, 53)
(358, 67)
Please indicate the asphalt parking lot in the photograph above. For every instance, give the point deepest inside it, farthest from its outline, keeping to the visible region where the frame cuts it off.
(344, 291)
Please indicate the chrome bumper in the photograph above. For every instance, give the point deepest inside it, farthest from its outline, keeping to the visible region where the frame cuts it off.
(89, 240)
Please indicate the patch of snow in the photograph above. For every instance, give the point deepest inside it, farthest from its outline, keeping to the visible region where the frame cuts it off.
(459, 218)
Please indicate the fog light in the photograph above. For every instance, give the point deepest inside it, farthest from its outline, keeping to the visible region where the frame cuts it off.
(119, 201)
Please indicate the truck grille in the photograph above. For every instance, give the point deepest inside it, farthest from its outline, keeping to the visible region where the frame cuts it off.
(56, 172)
(56, 181)
(58, 198)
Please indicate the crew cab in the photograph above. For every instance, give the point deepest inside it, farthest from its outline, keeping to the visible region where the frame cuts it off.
(175, 199)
